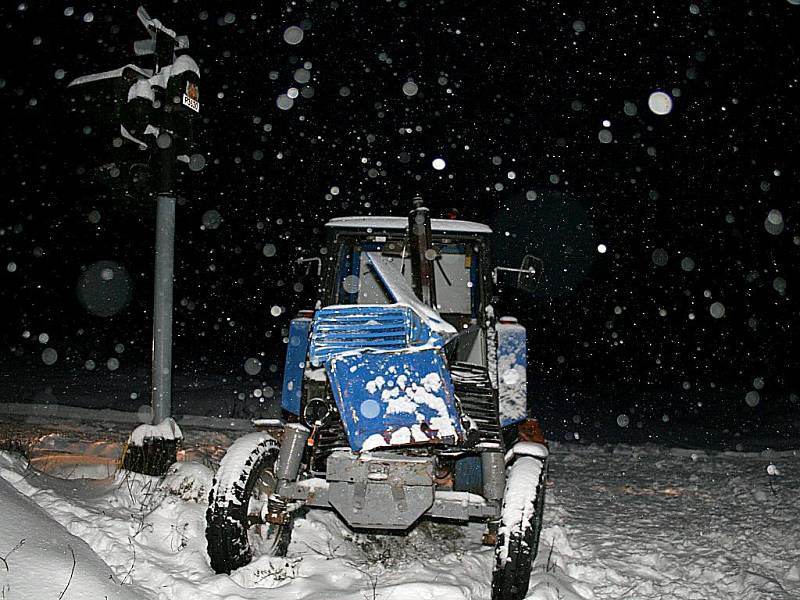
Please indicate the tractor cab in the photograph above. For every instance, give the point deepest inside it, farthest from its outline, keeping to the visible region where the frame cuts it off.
(458, 256)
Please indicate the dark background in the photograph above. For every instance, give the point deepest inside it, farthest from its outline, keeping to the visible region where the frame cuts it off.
(511, 87)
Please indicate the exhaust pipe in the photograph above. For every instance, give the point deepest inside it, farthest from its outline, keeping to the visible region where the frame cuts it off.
(422, 253)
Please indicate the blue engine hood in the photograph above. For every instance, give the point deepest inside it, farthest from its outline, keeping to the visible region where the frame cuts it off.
(393, 398)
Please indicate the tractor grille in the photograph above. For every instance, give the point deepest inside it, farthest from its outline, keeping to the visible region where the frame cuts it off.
(478, 399)
(338, 329)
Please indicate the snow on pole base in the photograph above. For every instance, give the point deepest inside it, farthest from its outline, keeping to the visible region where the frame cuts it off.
(152, 449)
(167, 430)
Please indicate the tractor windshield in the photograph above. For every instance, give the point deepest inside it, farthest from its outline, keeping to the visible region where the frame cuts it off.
(455, 268)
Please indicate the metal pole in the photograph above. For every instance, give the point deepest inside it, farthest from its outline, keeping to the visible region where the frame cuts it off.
(165, 247)
(162, 309)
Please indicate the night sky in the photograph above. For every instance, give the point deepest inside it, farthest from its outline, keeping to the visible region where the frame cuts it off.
(670, 241)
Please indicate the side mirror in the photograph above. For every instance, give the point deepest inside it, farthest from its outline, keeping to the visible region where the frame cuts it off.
(529, 273)
(308, 262)
(532, 267)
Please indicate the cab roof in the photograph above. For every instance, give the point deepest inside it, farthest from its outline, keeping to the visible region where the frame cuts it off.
(400, 223)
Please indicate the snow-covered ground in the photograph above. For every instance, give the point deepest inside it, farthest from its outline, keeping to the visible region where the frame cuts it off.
(620, 522)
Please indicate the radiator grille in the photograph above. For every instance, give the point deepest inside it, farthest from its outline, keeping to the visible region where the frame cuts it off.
(478, 399)
(338, 329)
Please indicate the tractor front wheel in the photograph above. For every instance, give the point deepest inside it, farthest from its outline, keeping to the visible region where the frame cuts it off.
(245, 480)
(520, 526)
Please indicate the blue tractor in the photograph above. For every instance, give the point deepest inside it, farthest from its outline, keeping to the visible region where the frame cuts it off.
(404, 398)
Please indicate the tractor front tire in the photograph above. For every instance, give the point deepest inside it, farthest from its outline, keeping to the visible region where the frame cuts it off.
(246, 473)
(520, 527)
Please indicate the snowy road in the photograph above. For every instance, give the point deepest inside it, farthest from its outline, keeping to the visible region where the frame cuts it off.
(621, 522)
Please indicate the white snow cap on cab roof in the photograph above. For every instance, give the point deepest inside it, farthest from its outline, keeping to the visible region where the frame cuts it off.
(448, 225)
